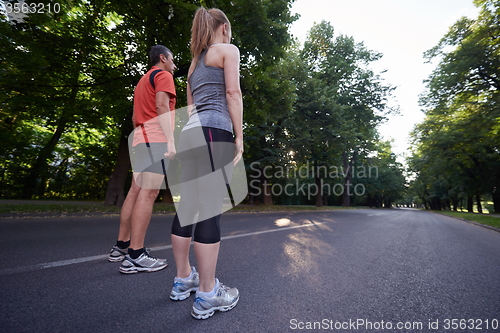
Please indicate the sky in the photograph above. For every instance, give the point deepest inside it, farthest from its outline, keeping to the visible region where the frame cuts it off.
(402, 30)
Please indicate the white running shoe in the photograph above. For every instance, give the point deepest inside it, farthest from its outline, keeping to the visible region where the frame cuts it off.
(145, 263)
(116, 254)
(182, 288)
(225, 299)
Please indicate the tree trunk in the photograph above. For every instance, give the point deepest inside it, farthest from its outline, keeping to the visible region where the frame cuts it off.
(166, 195)
(470, 204)
(34, 183)
(348, 165)
(346, 200)
(496, 200)
(268, 198)
(387, 203)
(319, 195)
(479, 206)
(115, 191)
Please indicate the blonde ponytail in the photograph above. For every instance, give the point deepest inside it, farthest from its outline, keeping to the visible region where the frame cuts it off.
(205, 23)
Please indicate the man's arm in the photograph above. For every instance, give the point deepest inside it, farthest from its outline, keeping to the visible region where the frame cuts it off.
(163, 111)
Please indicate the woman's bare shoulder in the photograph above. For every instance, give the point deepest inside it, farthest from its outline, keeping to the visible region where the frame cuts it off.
(224, 47)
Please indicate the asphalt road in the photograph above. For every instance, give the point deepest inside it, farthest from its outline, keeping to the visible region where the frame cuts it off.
(337, 271)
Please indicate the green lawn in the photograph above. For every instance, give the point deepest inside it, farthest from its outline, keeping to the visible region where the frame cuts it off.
(479, 218)
(58, 209)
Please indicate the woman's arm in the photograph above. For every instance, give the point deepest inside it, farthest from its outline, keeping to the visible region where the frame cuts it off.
(231, 57)
(189, 93)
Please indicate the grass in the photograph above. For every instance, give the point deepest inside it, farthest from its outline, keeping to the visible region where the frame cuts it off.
(485, 219)
(56, 209)
(88, 209)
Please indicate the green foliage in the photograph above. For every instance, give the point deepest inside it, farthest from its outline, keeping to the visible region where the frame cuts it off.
(55, 65)
(388, 186)
(331, 105)
(67, 81)
(457, 146)
(340, 101)
(350, 92)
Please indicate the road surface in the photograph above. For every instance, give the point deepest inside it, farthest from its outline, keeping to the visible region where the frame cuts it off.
(367, 270)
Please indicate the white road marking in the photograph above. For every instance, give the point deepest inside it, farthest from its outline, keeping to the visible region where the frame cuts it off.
(60, 263)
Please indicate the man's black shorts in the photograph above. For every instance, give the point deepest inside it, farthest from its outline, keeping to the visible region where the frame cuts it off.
(149, 157)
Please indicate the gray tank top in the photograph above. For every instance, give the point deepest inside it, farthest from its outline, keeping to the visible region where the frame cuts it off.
(208, 88)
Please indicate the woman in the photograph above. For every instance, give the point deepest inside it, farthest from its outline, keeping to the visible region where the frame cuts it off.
(214, 90)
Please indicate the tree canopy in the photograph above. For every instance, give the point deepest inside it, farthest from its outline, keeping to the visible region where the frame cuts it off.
(67, 81)
(456, 155)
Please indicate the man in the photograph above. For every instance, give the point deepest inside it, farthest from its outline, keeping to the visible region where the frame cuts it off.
(151, 141)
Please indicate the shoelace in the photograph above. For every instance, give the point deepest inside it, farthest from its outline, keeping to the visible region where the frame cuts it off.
(222, 288)
(146, 252)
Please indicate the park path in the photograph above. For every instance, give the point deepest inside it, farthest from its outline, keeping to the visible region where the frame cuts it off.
(349, 270)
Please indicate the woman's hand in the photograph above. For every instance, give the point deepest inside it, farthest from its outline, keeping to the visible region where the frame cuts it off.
(238, 152)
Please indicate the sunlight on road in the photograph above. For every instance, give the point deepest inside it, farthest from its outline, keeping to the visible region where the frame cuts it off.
(302, 251)
(282, 222)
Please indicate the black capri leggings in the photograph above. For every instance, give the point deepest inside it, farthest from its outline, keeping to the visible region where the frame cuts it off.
(197, 162)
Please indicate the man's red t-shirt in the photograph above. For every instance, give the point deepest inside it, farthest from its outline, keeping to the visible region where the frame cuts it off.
(145, 114)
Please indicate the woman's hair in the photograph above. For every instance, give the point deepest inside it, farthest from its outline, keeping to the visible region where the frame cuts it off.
(205, 23)
(154, 54)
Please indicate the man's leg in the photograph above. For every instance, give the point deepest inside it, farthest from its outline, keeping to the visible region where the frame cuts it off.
(126, 212)
(119, 251)
(149, 187)
(141, 215)
(138, 259)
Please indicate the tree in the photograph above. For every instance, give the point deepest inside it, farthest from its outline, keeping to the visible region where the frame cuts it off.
(340, 103)
(49, 60)
(261, 32)
(82, 65)
(260, 46)
(383, 177)
(462, 108)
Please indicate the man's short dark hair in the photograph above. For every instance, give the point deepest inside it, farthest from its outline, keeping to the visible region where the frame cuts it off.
(154, 54)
